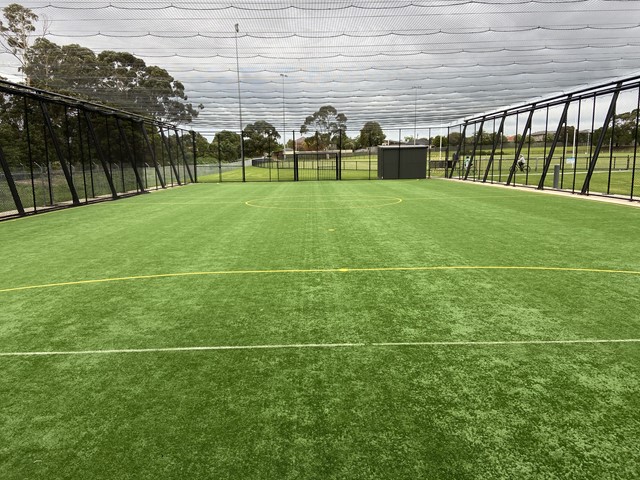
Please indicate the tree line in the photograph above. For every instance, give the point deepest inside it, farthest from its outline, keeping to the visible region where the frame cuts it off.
(325, 129)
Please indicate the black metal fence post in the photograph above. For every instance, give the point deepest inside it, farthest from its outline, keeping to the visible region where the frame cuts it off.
(59, 154)
(473, 152)
(219, 160)
(100, 153)
(184, 156)
(12, 186)
(30, 154)
(556, 137)
(429, 156)
(244, 173)
(596, 153)
(152, 151)
(124, 141)
(525, 132)
(456, 156)
(195, 157)
(269, 155)
(165, 142)
(497, 140)
(339, 159)
(611, 145)
(296, 176)
(577, 151)
(369, 148)
(635, 148)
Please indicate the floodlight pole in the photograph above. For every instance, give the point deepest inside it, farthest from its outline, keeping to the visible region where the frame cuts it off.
(240, 105)
(284, 124)
(415, 113)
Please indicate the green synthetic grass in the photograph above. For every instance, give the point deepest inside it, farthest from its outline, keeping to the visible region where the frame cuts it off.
(367, 411)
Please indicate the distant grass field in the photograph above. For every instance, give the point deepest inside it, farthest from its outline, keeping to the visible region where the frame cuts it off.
(397, 329)
(361, 167)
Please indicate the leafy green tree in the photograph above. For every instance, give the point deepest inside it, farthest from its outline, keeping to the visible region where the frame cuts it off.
(312, 142)
(226, 146)
(625, 128)
(327, 123)
(69, 69)
(202, 147)
(16, 32)
(117, 79)
(260, 139)
(483, 138)
(435, 141)
(454, 138)
(347, 143)
(371, 135)
(584, 137)
(490, 139)
(11, 129)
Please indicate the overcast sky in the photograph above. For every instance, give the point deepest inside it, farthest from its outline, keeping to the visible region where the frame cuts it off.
(398, 62)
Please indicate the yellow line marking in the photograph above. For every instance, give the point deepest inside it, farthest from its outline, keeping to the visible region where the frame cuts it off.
(321, 270)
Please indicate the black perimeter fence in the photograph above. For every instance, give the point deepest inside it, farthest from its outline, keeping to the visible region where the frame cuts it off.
(584, 142)
(56, 151)
(63, 152)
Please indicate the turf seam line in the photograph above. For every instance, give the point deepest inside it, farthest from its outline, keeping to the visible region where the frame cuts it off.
(326, 270)
(322, 345)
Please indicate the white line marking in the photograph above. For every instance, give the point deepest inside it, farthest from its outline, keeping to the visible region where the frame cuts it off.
(183, 349)
(322, 345)
(506, 342)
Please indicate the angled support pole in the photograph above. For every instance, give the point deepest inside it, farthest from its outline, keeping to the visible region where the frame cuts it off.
(496, 142)
(184, 156)
(171, 162)
(527, 126)
(153, 154)
(596, 153)
(101, 157)
(59, 154)
(132, 158)
(12, 185)
(554, 143)
(475, 146)
(456, 155)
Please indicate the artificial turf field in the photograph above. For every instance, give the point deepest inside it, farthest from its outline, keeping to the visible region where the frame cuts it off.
(397, 338)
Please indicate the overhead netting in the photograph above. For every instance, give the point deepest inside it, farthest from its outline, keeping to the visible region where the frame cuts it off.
(397, 62)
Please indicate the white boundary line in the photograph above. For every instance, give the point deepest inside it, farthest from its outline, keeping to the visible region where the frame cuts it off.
(620, 200)
(506, 342)
(324, 345)
(183, 349)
